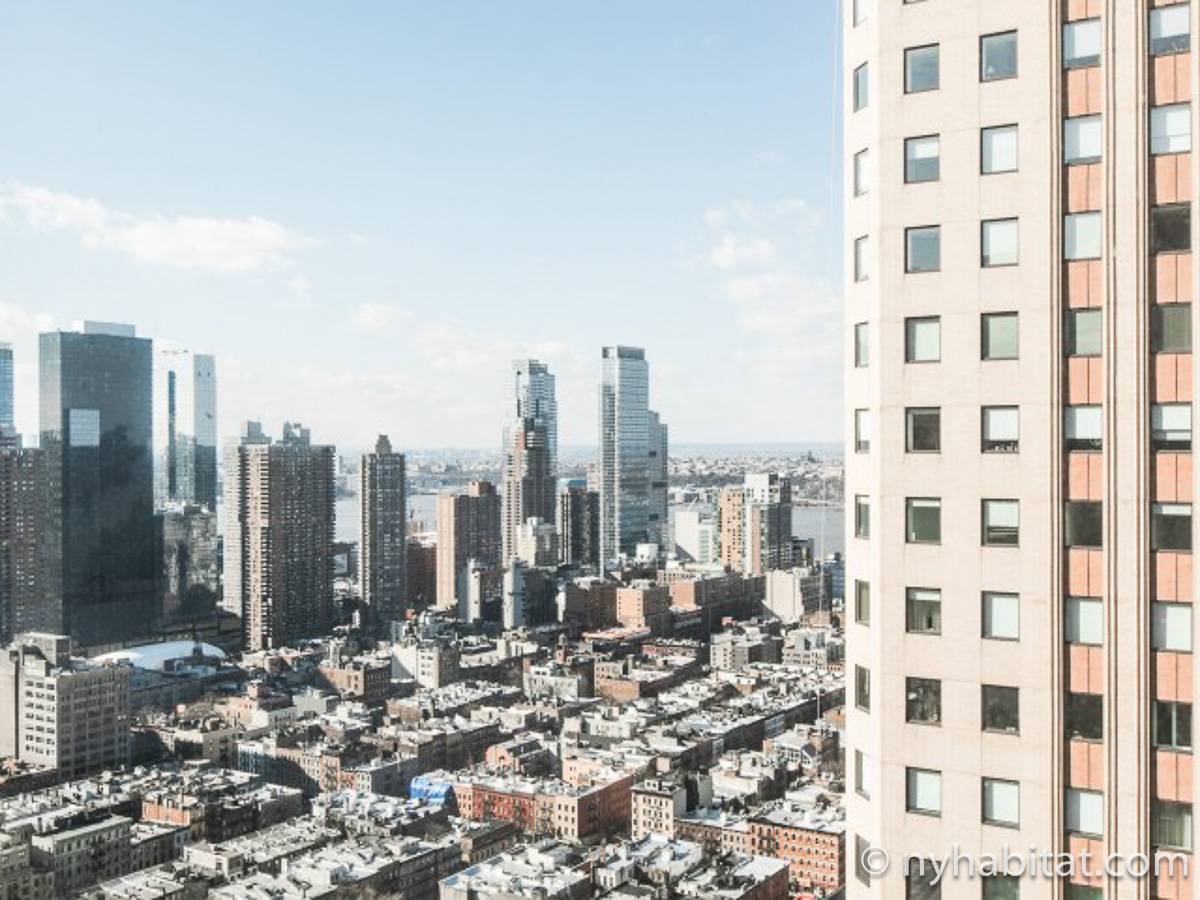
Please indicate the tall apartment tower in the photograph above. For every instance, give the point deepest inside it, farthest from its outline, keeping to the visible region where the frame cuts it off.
(383, 504)
(1019, 301)
(95, 414)
(623, 467)
(578, 524)
(280, 527)
(468, 528)
(756, 523)
(528, 480)
(185, 428)
(535, 399)
(30, 596)
(659, 523)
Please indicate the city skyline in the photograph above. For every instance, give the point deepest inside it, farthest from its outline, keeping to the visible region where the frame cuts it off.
(565, 214)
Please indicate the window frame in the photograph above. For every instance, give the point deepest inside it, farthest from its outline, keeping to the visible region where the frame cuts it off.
(912, 232)
(985, 505)
(908, 72)
(983, 155)
(911, 413)
(984, 224)
(984, 39)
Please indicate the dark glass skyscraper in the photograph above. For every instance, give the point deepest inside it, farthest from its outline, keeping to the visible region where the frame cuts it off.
(7, 425)
(95, 394)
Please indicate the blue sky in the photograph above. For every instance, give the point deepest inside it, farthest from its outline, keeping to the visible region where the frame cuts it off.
(365, 210)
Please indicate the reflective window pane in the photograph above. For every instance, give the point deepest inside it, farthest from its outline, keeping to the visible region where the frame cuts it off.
(998, 149)
(921, 69)
(998, 56)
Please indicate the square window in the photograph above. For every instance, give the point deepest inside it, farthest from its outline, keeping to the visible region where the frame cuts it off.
(1172, 725)
(1083, 427)
(923, 339)
(862, 263)
(924, 792)
(1171, 328)
(1171, 824)
(998, 335)
(998, 149)
(1171, 627)
(1171, 526)
(862, 688)
(923, 701)
(1084, 523)
(1171, 228)
(860, 10)
(1001, 802)
(1170, 129)
(923, 249)
(1083, 140)
(1084, 332)
(861, 172)
(999, 242)
(862, 430)
(1001, 523)
(923, 429)
(1171, 426)
(1001, 708)
(921, 69)
(1082, 42)
(923, 611)
(1085, 812)
(1085, 716)
(921, 881)
(862, 602)
(1084, 621)
(998, 56)
(921, 159)
(862, 516)
(1170, 30)
(923, 517)
(1001, 429)
(862, 345)
(1001, 616)
(860, 88)
(1000, 887)
(1082, 237)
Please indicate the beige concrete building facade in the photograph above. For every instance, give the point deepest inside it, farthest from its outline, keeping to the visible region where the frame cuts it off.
(1019, 396)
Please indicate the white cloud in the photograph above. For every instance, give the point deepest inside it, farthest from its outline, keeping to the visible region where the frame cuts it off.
(375, 316)
(733, 251)
(191, 242)
(773, 267)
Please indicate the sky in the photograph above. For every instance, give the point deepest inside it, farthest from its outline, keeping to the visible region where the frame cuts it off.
(366, 210)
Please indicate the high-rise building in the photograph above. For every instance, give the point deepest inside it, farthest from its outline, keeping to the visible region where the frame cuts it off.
(527, 479)
(1019, 307)
(61, 712)
(232, 456)
(535, 399)
(659, 527)
(756, 523)
(30, 598)
(383, 505)
(468, 528)
(185, 428)
(578, 525)
(627, 472)
(280, 528)
(7, 421)
(95, 397)
(191, 561)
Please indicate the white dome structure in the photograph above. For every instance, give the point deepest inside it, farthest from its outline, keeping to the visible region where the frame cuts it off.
(156, 656)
